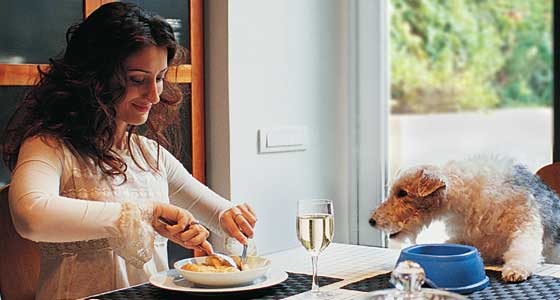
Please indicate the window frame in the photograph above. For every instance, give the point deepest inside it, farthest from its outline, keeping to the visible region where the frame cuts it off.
(370, 67)
(556, 84)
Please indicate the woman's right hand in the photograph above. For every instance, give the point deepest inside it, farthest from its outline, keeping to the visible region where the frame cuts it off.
(186, 232)
(239, 221)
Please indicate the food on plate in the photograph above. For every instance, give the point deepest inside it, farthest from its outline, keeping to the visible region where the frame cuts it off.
(214, 264)
(240, 265)
(208, 269)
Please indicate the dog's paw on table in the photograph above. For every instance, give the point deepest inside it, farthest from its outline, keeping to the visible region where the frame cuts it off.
(514, 274)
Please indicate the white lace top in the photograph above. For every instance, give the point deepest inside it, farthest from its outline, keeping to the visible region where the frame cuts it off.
(104, 241)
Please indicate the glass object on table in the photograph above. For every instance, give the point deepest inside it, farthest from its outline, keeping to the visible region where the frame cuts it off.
(234, 247)
(408, 278)
(315, 230)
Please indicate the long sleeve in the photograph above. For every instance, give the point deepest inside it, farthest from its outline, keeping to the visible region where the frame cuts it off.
(187, 192)
(40, 214)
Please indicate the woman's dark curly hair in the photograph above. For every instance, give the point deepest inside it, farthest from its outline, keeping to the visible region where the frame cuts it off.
(75, 99)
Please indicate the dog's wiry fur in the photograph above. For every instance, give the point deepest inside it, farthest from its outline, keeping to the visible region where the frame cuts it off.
(491, 203)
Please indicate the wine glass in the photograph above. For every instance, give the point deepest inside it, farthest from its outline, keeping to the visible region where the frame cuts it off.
(315, 230)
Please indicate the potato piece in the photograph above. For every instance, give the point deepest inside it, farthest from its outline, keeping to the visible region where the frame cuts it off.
(242, 267)
(214, 261)
(237, 260)
(226, 269)
(211, 264)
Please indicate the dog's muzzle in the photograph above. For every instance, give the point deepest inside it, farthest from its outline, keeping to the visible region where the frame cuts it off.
(372, 222)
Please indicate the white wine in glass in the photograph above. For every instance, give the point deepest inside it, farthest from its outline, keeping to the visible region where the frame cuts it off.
(315, 230)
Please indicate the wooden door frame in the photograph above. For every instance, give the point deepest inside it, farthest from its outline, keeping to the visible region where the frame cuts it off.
(197, 90)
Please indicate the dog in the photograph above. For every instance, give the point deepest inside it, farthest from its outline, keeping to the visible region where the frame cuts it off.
(488, 202)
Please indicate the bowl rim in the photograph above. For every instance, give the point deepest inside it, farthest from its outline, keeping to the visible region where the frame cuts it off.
(470, 251)
(177, 265)
(471, 288)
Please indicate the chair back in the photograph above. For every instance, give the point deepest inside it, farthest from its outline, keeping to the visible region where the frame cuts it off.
(550, 174)
(19, 258)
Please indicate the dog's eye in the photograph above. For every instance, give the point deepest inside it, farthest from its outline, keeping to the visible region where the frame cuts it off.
(401, 193)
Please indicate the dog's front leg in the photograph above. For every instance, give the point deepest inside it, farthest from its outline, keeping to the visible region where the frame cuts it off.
(524, 253)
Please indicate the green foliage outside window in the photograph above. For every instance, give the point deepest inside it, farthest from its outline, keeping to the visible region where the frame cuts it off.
(456, 55)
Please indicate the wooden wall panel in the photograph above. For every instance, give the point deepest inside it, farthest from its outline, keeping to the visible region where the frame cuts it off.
(27, 74)
(91, 5)
(19, 74)
(180, 74)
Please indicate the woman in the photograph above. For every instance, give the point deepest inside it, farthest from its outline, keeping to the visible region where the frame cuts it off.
(90, 172)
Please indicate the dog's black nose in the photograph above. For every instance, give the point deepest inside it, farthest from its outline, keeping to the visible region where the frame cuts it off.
(372, 222)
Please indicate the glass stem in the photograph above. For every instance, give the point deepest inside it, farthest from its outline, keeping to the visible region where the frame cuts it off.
(315, 280)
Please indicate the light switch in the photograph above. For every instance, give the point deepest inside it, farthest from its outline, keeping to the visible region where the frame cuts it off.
(282, 139)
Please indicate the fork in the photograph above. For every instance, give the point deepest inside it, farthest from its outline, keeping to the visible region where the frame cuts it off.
(244, 255)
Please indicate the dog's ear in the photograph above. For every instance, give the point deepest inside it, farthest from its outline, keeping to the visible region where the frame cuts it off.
(426, 183)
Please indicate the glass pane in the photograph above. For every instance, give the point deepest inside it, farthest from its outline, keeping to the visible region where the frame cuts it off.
(10, 96)
(186, 118)
(470, 77)
(176, 12)
(35, 30)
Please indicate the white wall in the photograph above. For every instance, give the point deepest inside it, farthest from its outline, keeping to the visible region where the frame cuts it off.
(274, 64)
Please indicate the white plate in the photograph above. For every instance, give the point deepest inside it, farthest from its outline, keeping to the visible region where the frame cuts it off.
(172, 280)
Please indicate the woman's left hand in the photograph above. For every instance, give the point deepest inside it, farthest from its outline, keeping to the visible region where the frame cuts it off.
(239, 222)
(186, 232)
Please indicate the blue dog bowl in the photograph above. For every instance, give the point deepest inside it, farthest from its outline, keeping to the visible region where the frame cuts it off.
(452, 267)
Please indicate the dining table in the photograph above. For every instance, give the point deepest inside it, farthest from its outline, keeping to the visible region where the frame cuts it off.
(345, 271)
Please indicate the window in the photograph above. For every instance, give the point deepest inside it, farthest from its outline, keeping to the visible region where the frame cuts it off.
(470, 77)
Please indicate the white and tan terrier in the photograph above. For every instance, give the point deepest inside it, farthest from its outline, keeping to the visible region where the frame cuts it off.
(499, 207)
